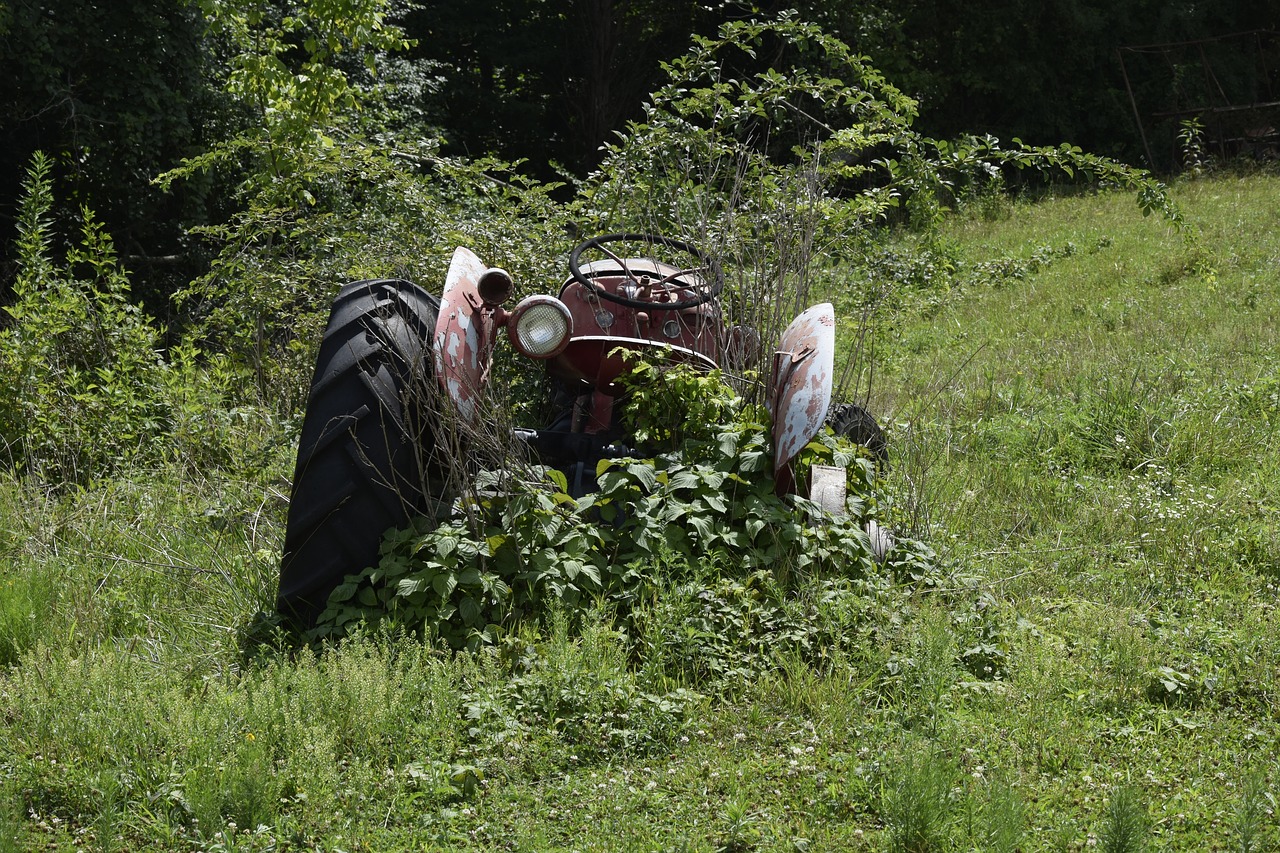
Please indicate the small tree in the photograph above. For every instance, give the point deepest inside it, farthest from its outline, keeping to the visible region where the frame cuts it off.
(778, 148)
(85, 385)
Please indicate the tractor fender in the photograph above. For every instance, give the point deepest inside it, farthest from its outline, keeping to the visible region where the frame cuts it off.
(800, 388)
(464, 337)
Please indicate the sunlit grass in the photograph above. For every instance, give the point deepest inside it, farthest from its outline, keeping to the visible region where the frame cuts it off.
(1089, 440)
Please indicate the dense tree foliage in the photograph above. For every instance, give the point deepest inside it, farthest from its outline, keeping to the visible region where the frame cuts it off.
(114, 93)
(1048, 71)
(288, 112)
(549, 79)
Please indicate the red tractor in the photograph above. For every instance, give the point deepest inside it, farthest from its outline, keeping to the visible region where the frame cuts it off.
(400, 378)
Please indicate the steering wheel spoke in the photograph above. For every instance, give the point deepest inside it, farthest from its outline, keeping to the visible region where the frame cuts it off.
(707, 269)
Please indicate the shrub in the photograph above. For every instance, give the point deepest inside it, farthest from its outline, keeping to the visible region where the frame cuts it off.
(85, 384)
(533, 548)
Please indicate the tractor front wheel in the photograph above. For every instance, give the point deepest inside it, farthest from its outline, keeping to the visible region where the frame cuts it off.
(859, 426)
(366, 457)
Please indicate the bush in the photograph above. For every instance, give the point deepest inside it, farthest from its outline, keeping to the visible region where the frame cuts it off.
(532, 548)
(85, 388)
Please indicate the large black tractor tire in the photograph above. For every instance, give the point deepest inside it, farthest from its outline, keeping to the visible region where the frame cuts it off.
(367, 455)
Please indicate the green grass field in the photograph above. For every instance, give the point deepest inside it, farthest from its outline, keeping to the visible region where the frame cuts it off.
(1084, 413)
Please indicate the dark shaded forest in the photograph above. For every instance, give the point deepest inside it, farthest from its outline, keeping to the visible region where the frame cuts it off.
(117, 93)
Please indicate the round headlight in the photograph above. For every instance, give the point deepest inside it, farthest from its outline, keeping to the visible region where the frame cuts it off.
(540, 326)
(494, 286)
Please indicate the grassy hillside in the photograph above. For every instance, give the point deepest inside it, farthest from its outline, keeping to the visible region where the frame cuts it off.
(1084, 410)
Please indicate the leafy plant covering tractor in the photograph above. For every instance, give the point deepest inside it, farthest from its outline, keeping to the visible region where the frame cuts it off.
(398, 397)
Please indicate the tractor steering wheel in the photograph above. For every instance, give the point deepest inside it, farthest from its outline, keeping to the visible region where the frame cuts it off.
(707, 267)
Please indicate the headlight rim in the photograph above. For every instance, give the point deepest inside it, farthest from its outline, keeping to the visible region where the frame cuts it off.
(519, 313)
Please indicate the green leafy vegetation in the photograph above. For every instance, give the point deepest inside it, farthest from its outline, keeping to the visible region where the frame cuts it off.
(1072, 645)
(701, 517)
(86, 389)
(1091, 661)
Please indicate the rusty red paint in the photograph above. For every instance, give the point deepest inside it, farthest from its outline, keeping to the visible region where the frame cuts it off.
(690, 336)
(465, 331)
(800, 391)
(695, 328)
(593, 360)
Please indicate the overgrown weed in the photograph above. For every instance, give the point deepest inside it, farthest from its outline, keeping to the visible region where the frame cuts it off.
(133, 719)
(918, 805)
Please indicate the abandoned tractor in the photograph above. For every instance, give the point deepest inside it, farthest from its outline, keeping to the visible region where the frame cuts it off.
(400, 378)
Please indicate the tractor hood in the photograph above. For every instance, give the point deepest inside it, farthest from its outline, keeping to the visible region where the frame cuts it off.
(640, 266)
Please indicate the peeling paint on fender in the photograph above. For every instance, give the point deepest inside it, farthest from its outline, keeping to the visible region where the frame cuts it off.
(800, 393)
(465, 331)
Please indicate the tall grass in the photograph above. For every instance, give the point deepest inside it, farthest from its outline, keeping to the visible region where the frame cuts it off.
(1090, 441)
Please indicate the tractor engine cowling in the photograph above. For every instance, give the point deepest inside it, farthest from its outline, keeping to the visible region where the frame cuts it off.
(636, 304)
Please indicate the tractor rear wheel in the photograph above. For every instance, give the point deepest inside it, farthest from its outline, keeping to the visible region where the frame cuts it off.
(366, 457)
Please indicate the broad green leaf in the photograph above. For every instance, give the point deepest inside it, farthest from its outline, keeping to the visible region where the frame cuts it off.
(409, 586)
(644, 473)
(343, 592)
(684, 479)
(469, 610)
(716, 503)
(591, 572)
(444, 584)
